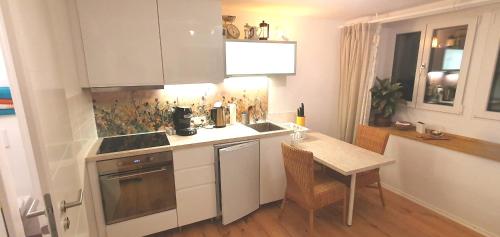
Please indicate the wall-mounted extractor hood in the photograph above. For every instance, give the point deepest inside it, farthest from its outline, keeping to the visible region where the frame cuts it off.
(260, 58)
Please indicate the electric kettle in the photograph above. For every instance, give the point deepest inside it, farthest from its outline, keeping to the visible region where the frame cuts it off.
(218, 115)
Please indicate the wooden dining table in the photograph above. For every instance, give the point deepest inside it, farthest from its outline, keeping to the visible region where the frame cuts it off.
(343, 157)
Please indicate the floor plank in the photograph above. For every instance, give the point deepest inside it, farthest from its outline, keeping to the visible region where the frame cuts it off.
(400, 217)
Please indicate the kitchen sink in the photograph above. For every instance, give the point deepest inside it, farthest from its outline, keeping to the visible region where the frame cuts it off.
(265, 127)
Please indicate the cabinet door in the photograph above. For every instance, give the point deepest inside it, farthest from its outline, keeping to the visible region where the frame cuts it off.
(193, 157)
(121, 42)
(196, 204)
(191, 39)
(447, 53)
(272, 170)
(260, 58)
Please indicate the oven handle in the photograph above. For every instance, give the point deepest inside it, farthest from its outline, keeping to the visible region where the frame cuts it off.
(114, 177)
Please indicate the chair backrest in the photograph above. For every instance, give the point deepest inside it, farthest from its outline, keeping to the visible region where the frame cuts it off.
(299, 169)
(373, 139)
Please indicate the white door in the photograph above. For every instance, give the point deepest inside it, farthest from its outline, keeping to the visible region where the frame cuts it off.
(239, 180)
(57, 118)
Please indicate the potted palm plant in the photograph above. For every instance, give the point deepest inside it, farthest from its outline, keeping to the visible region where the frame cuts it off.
(385, 97)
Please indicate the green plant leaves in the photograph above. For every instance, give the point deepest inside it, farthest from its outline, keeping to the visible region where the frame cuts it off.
(385, 96)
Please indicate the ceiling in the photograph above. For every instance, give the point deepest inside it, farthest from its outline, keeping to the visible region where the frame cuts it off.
(335, 9)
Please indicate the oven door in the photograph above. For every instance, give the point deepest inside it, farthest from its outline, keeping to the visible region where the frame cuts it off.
(137, 193)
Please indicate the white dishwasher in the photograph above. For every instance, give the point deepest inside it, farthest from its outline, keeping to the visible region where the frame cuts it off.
(238, 182)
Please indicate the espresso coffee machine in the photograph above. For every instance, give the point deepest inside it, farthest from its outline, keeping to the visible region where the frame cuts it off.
(182, 121)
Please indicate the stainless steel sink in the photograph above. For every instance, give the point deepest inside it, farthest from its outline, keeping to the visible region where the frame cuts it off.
(265, 127)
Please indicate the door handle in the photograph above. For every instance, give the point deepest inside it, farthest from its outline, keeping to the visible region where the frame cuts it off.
(48, 212)
(64, 206)
(30, 213)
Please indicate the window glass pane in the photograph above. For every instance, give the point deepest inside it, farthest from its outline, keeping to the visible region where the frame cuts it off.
(405, 62)
(444, 65)
(494, 102)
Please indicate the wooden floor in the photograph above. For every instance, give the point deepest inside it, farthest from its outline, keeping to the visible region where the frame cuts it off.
(400, 217)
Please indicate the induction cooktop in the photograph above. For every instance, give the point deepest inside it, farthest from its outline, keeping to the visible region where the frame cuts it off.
(133, 142)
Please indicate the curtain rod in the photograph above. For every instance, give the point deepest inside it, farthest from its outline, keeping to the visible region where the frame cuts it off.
(420, 11)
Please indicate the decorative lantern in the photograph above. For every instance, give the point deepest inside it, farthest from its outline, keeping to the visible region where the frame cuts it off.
(264, 31)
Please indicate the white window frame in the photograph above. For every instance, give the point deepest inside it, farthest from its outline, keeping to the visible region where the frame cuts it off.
(488, 67)
(457, 107)
(405, 29)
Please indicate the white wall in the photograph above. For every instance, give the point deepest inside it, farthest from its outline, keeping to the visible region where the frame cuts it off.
(317, 80)
(460, 186)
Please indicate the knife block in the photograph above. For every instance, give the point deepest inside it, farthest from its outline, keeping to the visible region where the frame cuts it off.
(301, 121)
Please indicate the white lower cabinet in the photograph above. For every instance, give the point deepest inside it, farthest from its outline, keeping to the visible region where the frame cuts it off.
(145, 225)
(195, 184)
(272, 170)
(196, 204)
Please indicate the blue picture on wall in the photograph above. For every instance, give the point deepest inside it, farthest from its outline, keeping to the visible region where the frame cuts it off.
(6, 104)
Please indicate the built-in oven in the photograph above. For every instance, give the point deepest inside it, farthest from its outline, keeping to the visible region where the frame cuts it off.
(136, 186)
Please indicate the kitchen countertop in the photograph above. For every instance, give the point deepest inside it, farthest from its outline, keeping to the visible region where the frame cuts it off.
(205, 136)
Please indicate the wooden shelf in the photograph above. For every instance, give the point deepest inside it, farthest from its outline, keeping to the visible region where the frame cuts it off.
(468, 145)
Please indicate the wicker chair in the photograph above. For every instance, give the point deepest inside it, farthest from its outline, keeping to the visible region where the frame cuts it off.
(373, 139)
(309, 189)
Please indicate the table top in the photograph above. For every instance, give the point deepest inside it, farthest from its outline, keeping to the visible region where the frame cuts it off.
(341, 156)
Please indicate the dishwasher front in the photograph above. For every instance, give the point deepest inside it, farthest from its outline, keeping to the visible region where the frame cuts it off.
(238, 183)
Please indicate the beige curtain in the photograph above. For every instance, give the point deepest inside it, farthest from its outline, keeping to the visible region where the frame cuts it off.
(358, 49)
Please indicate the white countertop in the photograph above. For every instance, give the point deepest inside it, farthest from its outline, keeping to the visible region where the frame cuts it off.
(205, 136)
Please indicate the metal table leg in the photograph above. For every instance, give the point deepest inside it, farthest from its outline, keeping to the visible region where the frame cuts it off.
(352, 190)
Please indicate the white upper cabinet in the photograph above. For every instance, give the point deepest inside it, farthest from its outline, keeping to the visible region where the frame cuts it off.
(191, 39)
(255, 58)
(121, 42)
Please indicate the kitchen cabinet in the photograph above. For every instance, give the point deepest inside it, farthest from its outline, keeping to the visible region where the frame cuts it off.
(259, 58)
(195, 184)
(272, 170)
(196, 204)
(191, 39)
(193, 157)
(121, 42)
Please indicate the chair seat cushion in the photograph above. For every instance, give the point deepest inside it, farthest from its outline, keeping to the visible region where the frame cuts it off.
(327, 189)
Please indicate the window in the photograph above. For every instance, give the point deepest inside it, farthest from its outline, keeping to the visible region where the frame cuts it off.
(447, 48)
(405, 62)
(494, 100)
(487, 101)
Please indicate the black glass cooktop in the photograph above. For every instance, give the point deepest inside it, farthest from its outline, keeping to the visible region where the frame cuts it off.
(133, 142)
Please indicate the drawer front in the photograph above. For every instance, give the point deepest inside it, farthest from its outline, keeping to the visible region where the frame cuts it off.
(193, 157)
(187, 178)
(145, 225)
(196, 204)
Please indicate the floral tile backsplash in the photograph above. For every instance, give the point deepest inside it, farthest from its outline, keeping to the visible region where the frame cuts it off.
(133, 111)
